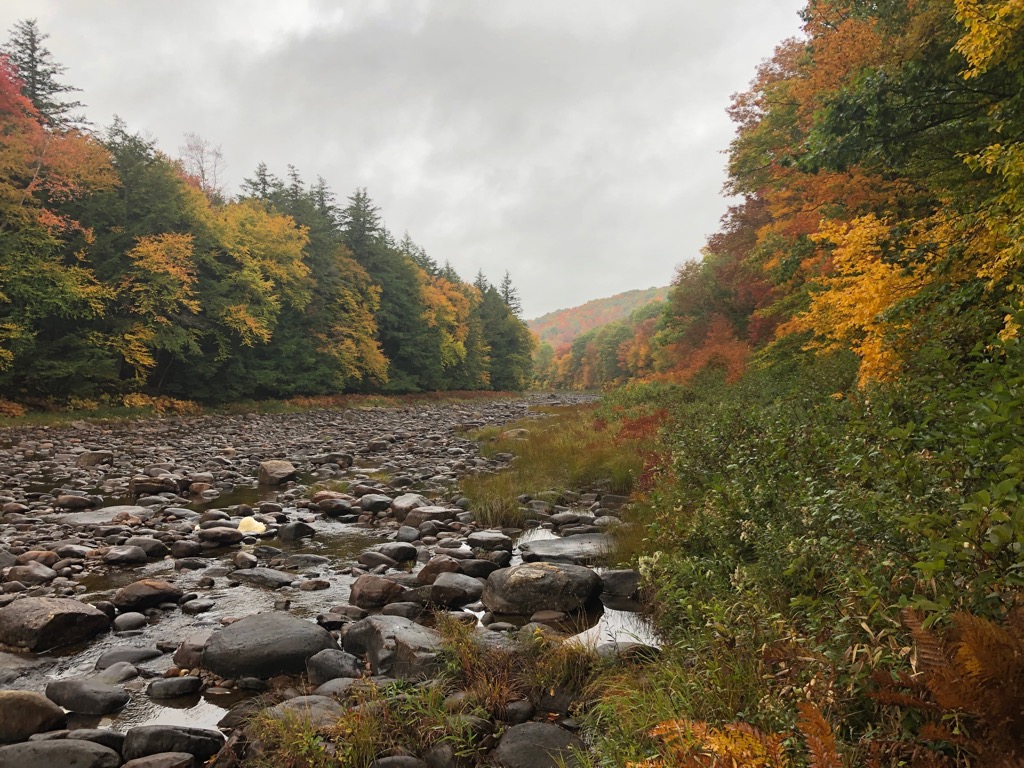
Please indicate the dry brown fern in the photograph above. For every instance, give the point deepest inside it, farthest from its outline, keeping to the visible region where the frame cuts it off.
(821, 743)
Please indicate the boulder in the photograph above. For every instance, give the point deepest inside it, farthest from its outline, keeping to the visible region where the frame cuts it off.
(276, 472)
(295, 531)
(32, 573)
(332, 664)
(399, 551)
(263, 577)
(375, 502)
(23, 713)
(587, 548)
(489, 540)
(264, 645)
(537, 745)
(451, 589)
(163, 760)
(132, 654)
(395, 646)
(93, 458)
(146, 740)
(317, 711)
(171, 687)
(40, 623)
(221, 535)
(86, 696)
(370, 591)
(147, 593)
(406, 503)
(531, 587)
(125, 555)
(59, 753)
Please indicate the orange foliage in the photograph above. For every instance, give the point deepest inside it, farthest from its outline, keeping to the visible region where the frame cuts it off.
(719, 349)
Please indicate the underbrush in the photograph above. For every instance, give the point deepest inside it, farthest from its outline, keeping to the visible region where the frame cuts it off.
(793, 528)
(572, 449)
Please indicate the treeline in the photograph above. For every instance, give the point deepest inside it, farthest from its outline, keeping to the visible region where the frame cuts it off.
(123, 270)
(880, 169)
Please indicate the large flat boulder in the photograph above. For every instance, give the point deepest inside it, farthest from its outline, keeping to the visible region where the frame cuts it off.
(264, 645)
(580, 550)
(395, 646)
(41, 623)
(537, 745)
(104, 516)
(525, 589)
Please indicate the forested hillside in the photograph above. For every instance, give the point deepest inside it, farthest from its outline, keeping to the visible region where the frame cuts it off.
(559, 328)
(126, 272)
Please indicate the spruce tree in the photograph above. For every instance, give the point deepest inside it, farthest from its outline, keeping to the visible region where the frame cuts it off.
(39, 72)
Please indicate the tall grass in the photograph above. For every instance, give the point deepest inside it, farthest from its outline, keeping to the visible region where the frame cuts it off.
(569, 450)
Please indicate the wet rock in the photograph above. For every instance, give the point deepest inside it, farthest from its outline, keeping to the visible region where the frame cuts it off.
(93, 459)
(451, 589)
(73, 501)
(154, 548)
(276, 472)
(221, 535)
(107, 738)
(490, 540)
(537, 745)
(189, 653)
(370, 591)
(23, 713)
(147, 593)
(330, 664)
(396, 550)
(119, 672)
(163, 760)
(621, 583)
(86, 696)
(435, 567)
(60, 753)
(173, 686)
(41, 623)
(375, 502)
(263, 577)
(395, 646)
(31, 573)
(146, 740)
(398, 761)
(132, 654)
(195, 607)
(264, 645)
(531, 587)
(587, 548)
(125, 555)
(295, 531)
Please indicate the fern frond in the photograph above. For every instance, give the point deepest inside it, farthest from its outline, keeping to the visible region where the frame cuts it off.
(819, 737)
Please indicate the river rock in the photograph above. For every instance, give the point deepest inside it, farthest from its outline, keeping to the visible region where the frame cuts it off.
(587, 548)
(23, 713)
(263, 577)
(31, 573)
(163, 760)
(133, 654)
(531, 587)
(370, 591)
(147, 593)
(87, 697)
(59, 753)
(489, 540)
(104, 516)
(317, 711)
(295, 531)
(395, 646)
(406, 503)
(375, 502)
(537, 745)
(125, 555)
(173, 686)
(399, 551)
(451, 589)
(276, 472)
(264, 645)
(221, 535)
(331, 664)
(145, 740)
(41, 623)
(93, 458)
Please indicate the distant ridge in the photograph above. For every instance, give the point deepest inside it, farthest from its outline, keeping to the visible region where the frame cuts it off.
(560, 327)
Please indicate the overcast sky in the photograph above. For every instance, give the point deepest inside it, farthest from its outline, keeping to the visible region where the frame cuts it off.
(575, 143)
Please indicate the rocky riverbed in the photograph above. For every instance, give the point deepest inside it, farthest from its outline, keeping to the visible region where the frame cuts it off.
(160, 576)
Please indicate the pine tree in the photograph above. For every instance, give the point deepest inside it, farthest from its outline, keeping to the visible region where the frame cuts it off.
(510, 295)
(39, 72)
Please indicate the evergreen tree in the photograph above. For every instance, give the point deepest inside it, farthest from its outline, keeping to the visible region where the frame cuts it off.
(39, 72)
(510, 295)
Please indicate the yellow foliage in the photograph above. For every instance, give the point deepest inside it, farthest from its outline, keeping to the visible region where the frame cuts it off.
(850, 307)
(10, 409)
(694, 743)
(161, 404)
(993, 33)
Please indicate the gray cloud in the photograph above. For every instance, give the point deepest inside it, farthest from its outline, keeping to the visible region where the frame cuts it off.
(576, 144)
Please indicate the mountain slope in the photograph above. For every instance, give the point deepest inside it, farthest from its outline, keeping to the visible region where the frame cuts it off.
(562, 326)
